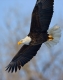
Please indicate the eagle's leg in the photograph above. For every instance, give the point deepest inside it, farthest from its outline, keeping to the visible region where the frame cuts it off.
(50, 37)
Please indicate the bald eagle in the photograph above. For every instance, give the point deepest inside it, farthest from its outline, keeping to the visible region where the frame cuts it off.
(39, 33)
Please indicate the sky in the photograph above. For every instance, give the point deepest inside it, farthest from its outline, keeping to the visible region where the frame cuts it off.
(25, 7)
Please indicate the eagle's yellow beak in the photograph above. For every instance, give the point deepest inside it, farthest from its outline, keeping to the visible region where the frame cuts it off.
(20, 42)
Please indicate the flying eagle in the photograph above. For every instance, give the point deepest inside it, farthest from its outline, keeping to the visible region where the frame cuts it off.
(39, 33)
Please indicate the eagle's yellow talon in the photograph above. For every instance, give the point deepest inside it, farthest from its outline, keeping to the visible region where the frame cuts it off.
(50, 37)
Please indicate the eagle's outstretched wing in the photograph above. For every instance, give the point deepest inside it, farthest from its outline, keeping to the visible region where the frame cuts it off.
(41, 16)
(24, 55)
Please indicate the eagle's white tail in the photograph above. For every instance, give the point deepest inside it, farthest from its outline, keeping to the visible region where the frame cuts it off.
(55, 32)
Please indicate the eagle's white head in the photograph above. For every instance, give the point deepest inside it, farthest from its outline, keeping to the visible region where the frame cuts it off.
(26, 40)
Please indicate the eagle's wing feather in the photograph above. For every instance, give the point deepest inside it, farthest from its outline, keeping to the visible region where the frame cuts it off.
(41, 15)
(24, 55)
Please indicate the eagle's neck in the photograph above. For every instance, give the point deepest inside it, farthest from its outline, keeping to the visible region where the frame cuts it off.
(27, 40)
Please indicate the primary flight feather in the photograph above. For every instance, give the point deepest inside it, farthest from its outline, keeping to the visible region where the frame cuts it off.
(41, 18)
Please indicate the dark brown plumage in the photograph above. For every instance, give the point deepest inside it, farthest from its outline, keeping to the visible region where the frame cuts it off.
(41, 17)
